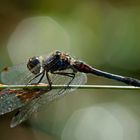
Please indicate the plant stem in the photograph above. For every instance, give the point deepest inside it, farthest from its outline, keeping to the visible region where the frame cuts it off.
(71, 86)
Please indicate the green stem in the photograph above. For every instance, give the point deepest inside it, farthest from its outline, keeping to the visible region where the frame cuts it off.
(71, 86)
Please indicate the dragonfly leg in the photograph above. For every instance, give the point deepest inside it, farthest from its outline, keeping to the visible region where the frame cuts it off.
(72, 75)
(42, 73)
(41, 77)
(49, 80)
(64, 74)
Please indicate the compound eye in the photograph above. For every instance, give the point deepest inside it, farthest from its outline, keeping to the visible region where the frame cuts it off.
(35, 62)
(34, 65)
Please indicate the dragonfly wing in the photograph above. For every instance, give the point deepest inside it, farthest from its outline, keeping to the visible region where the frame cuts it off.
(9, 101)
(24, 113)
(80, 78)
(15, 75)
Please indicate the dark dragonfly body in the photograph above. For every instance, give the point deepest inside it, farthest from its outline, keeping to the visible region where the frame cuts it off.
(59, 61)
(59, 69)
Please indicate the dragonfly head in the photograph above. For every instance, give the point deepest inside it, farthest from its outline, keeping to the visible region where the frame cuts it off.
(35, 64)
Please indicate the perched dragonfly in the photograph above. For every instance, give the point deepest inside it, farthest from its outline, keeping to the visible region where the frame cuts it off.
(57, 68)
(59, 61)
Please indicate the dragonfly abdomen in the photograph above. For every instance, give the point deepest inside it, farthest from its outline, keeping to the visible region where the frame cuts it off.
(83, 67)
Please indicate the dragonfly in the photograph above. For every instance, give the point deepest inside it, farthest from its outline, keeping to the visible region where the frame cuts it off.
(58, 68)
(59, 61)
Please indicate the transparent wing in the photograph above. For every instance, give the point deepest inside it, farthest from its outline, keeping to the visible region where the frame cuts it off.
(17, 75)
(24, 113)
(9, 101)
(80, 78)
(50, 96)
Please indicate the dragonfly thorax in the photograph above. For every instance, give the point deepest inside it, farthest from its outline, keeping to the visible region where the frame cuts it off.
(35, 64)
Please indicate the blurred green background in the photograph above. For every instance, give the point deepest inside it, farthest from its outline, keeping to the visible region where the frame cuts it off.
(105, 34)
